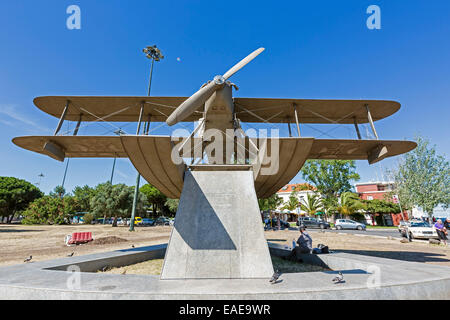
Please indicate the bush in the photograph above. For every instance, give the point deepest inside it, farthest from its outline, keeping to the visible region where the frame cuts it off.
(49, 210)
(87, 218)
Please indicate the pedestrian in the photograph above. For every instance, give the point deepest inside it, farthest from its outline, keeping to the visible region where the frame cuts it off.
(441, 231)
(304, 245)
(447, 223)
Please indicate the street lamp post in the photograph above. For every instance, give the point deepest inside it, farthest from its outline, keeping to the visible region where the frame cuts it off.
(396, 198)
(154, 54)
(118, 132)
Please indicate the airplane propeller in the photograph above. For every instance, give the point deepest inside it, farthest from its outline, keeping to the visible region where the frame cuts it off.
(199, 98)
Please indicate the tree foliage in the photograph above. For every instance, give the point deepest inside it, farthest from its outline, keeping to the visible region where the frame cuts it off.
(271, 203)
(59, 192)
(172, 205)
(349, 204)
(155, 198)
(15, 196)
(114, 201)
(50, 210)
(330, 177)
(380, 206)
(292, 203)
(83, 197)
(422, 178)
(312, 204)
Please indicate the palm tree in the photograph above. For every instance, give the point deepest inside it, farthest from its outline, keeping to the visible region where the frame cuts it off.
(312, 204)
(349, 204)
(291, 204)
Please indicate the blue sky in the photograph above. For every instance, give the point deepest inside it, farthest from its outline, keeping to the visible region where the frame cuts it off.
(314, 49)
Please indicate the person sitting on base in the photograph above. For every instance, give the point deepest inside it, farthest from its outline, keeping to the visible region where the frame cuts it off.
(441, 231)
(304, 245)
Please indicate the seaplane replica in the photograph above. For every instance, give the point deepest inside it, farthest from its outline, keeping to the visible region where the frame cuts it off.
(217, 171)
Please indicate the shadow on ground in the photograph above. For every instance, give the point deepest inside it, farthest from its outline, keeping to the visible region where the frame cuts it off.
(17, 230)
(413, 256)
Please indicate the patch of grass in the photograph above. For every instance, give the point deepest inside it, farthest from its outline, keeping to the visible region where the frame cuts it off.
(152, 267)
(381, 227)
(286, 266)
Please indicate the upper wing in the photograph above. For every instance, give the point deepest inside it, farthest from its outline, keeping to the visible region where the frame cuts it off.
(312, 111)
(127, 109)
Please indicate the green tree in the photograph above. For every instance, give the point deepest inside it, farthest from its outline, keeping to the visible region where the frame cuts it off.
(172, 205)
(15, 196)
(114, 201)
(59, 192)
(312, 204)
(380, 206)
(49, 210)
(330, 177)
(422, 178)
(270, 203)
(292, 203)
(154, 197)
(83, 197)
(87, 218)
(349, 204)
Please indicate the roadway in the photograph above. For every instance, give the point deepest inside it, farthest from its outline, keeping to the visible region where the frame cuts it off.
(369, 232)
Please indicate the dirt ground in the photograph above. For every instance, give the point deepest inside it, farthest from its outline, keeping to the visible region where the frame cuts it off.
(18, 242)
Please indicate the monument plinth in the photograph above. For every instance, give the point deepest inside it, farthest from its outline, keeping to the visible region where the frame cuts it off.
(218, 231)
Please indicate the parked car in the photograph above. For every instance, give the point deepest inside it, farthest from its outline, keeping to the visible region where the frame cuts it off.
(349, 224)
(312, 223)
(162, 221)
(420, 230)
(402, 226)
(147, 222)
(283, 224)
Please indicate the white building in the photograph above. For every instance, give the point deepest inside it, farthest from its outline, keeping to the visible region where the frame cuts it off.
(285, 192)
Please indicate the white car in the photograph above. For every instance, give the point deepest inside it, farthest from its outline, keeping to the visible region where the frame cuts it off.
(421, 230)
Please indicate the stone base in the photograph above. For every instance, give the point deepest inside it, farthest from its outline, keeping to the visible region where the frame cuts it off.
(218, 232)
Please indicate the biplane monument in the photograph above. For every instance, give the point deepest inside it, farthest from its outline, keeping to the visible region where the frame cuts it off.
(218, 171)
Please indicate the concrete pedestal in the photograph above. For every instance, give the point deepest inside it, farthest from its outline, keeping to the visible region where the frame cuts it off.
(218, 231)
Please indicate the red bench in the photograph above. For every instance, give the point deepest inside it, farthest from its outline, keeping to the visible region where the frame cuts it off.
(80, 237)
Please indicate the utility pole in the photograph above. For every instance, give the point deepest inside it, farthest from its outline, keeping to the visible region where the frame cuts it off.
(118, 132)
(65, 173)
(154, 54)
(396, 198)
